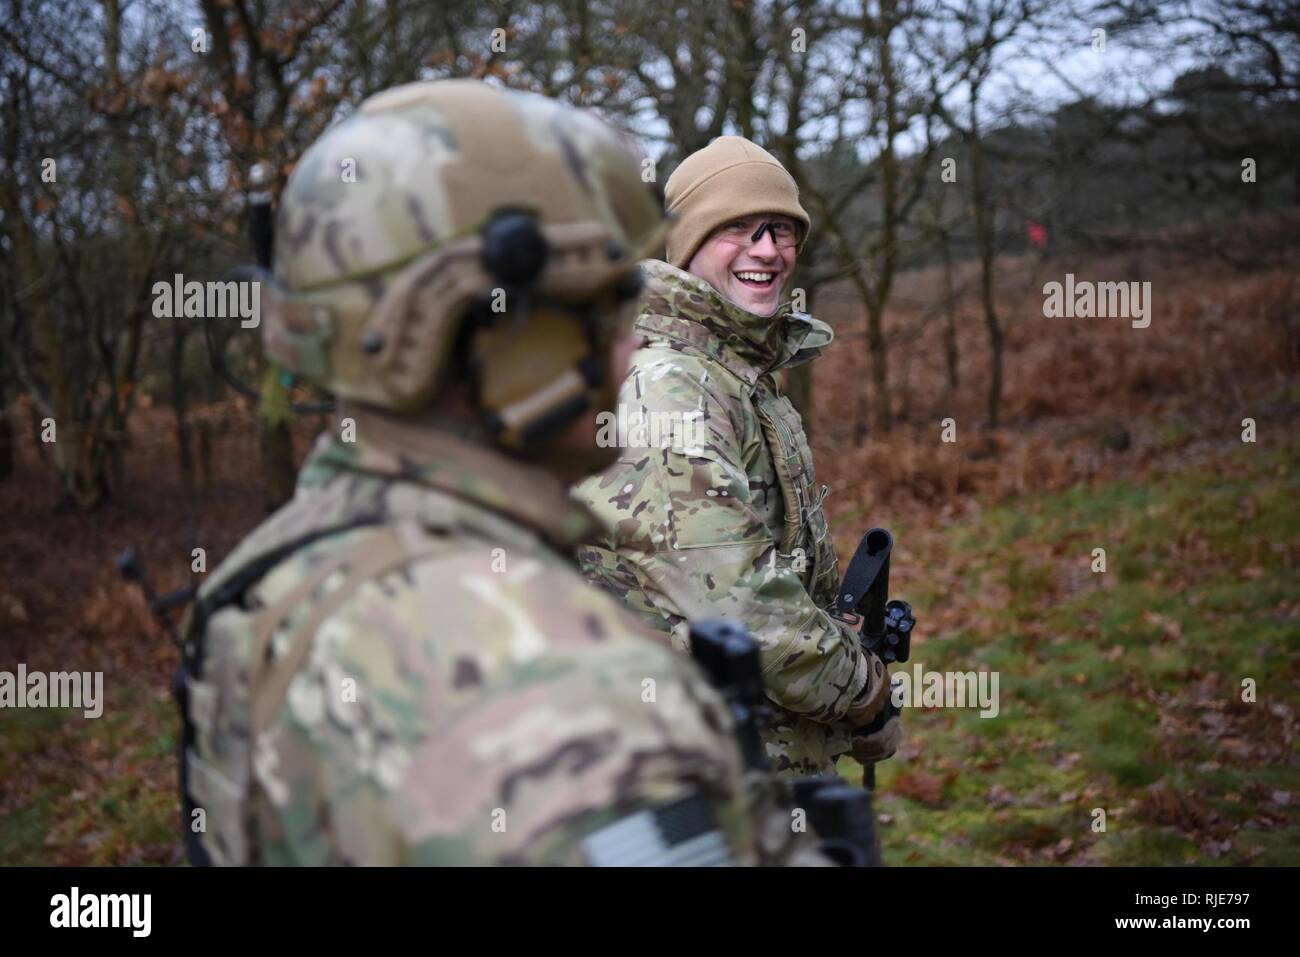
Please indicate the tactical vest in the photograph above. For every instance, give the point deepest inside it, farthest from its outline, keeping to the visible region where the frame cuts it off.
(804, 528)
(248, 688)
(222, 783)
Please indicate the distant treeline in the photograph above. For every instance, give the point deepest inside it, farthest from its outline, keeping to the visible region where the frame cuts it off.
(128, 131)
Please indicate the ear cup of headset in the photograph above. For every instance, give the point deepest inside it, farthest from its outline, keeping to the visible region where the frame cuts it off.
(531, 377)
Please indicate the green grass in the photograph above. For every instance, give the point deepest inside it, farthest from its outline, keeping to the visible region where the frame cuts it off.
(90, 791)
(1105, 689)
(1119, 692)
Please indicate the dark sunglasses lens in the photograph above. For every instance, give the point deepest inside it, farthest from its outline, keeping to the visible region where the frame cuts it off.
(782, 234)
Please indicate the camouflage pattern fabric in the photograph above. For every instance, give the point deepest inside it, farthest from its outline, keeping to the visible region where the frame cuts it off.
(439, 685)
(727, 520)
(377, 237)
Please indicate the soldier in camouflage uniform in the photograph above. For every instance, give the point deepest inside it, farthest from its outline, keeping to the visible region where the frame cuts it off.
(714, 502)
(402, 665)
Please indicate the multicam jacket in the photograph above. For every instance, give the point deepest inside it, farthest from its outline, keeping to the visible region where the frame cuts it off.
(433, 682)
(717, 513)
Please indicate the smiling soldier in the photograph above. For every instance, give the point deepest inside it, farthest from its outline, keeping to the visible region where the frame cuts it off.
(734, 527)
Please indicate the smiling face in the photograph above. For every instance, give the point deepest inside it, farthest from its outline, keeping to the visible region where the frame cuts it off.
(750, 274)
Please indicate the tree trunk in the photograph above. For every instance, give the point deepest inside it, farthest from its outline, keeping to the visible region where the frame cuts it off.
(180, 405)
(995, 342)
(6, 444)
(116, 442)
(80, 463)
(879, 376)
(984, 239)
(205, 455)
(889, 184)
(34, 418)
(949, 313)
(862, 420)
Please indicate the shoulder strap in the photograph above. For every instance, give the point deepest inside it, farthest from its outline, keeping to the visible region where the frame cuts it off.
(233, 588)
(389, 547)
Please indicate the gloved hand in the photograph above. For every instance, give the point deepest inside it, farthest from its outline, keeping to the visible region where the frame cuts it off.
(872, 699)
(877, 744)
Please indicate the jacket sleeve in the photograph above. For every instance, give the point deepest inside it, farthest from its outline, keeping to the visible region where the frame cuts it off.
(685, 521)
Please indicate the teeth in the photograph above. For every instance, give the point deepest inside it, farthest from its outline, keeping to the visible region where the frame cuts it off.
(756, 276)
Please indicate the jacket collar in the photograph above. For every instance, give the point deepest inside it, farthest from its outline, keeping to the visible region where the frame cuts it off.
(688, 310)
(487, 487)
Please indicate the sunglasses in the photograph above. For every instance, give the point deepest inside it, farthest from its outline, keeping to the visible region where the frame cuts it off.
(743, 232)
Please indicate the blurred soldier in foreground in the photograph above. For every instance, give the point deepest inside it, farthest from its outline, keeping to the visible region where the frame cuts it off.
(402, 666)
(715, 504)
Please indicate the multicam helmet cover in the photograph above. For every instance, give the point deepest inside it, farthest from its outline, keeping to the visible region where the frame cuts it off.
(379, 246)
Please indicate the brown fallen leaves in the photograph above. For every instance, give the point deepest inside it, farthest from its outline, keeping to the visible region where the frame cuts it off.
(922, 786)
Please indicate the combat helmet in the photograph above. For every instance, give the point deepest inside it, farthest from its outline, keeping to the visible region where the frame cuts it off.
(453, 221)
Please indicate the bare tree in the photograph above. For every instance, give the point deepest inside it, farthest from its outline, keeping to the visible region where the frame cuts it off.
(973, 34)
(83, 223)
(860, 187)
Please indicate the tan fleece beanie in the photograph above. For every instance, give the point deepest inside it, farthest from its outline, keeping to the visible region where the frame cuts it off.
(728, 179)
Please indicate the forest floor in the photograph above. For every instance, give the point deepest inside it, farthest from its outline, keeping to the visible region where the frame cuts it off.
(1124, 696)
(1146, 714)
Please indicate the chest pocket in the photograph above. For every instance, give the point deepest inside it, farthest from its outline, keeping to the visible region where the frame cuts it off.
(804, 532)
